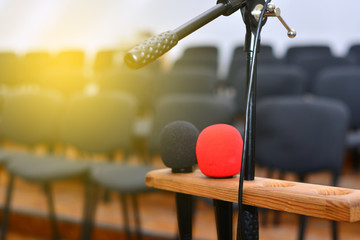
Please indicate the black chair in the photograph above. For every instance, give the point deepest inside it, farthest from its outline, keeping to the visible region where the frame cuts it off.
(199, 57)
(313, 65)
(184, 81)
(302, 135)
(307, 51)
(201, 52)
(70, 59)
(354, 54)
(30, 118)
(9, 68)
(104, 60)
(280, 80)
(33, 65)
(91, 124)
(209, 65)
(201, 110)
(273, 80)
(342, 83)
(265, 56)
(65, 80)
(113, 117)
(137, 83)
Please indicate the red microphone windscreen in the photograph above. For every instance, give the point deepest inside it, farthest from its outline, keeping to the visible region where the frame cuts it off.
(219, 151)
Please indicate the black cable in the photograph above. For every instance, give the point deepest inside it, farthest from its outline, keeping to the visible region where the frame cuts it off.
(240, 229)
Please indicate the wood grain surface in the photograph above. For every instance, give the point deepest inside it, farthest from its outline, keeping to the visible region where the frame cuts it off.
(340, 204)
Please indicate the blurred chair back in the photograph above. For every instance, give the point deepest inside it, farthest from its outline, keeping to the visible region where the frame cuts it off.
(182, 64)
(301, 135)
(280, 80)
(99, 123)
(238, 61)
(199, 57)
(31, 117)
(200, 110)
(104, 123)
(307, 51)
(266, 52)
(314, 65)
(354, 54)
(342, 83)
(274, 80)
(9, 68)
(65, 80)
(201, 52)
(70, 59)
(104, 60)
(135, 83)
(185, 81)
(33, 65)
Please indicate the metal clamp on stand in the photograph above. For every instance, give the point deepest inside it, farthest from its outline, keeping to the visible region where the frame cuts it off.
(273, 11)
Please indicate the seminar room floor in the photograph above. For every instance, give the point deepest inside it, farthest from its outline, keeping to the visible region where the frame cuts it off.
(157, 214)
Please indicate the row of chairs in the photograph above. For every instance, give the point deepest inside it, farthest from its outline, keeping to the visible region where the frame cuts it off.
(195, 76)
(102, 123)
(148, 89)
(274, 76)
(294, 140)
(311, 57)
(311, 60)
(92, 124)
(296, 129)
(28, 68)
(295, 134)
(272, 80)
(72, 58)
(286, 125)
(281, 132)
(337, 82)
(173, 113)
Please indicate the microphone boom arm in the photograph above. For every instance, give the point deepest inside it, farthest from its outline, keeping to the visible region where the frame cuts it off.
(151, 49)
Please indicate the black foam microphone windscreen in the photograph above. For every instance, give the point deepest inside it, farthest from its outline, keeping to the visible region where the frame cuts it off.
(178, 152)
(178, 145)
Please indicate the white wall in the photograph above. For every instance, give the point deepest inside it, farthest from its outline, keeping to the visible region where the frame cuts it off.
(95, 24)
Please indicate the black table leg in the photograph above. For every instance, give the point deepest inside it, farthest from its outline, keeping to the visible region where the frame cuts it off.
(224, 219)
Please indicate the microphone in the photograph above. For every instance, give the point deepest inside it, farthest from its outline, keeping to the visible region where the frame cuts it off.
(177, 146)
(151, 49)
(219, 155)
(177, 150)
(219, 151)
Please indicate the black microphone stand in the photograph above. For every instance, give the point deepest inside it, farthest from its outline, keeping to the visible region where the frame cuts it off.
(153, 48)
(248, 223)
(254, 18)
(184, 210)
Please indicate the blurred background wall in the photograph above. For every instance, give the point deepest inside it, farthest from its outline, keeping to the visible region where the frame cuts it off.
(97, 24)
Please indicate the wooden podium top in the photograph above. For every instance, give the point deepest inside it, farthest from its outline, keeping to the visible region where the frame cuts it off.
(334, 203)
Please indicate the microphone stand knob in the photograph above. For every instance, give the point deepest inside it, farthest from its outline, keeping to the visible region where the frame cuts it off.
(291, 33)
(273, 11)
